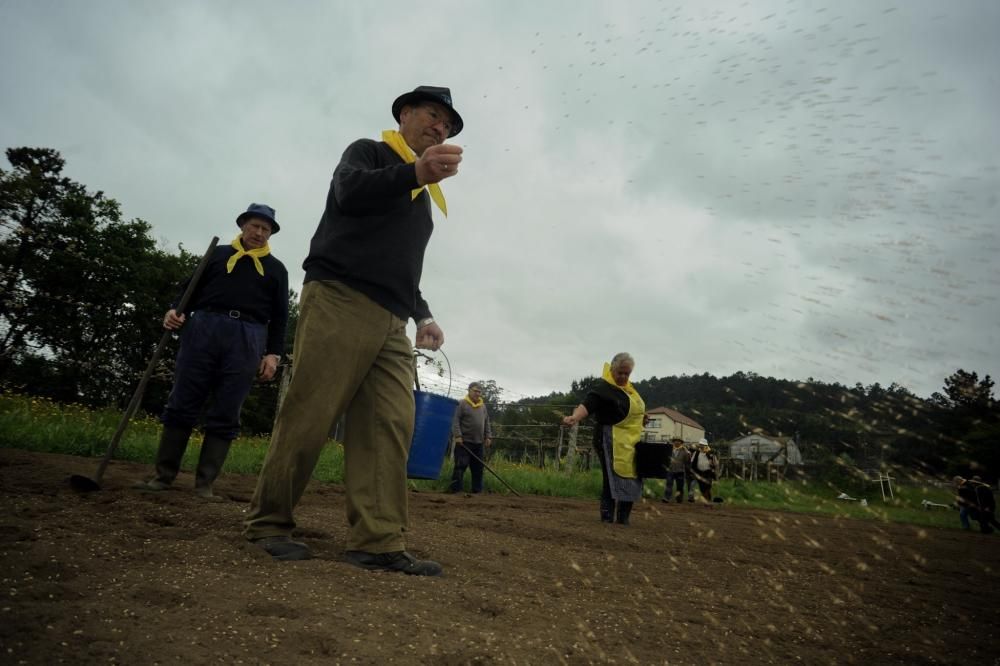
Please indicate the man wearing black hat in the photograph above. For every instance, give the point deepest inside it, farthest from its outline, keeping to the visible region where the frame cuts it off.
(238, 313)
(352, 354)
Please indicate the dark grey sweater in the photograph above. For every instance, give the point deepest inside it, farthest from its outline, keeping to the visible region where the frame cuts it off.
(372, 235)
(472, 425)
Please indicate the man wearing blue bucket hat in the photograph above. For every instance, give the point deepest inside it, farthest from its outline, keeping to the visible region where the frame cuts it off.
(352, 354)
(234, 330)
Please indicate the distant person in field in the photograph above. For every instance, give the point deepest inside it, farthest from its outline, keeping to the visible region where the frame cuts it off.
(680, 461)
(234, 330)
(705, 468)
(977, 499)
(689, 478)
(963, 510)
(472, 436)
(352, 352)
(620, 414)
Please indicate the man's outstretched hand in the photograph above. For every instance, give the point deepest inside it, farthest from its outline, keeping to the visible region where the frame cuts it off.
(437, 163)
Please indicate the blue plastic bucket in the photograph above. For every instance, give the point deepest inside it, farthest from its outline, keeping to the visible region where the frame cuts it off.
(431, 430)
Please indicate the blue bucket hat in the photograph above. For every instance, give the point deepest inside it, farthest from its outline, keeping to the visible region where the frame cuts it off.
(429, 94)
(263, 211)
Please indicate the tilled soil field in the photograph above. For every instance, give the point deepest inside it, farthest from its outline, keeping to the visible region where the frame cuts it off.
(120, 576)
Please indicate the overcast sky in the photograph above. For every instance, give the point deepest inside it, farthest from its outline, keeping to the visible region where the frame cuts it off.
(797, 189)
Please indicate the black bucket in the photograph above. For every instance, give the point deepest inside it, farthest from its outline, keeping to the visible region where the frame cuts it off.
(652, 459)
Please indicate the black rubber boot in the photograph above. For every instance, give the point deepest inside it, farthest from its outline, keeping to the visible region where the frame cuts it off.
(214, 450)
(607, 510)
(624, 509)
(173, 443)
(397, 561)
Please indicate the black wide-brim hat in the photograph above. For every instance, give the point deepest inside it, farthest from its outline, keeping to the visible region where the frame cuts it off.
(263, 211)
(429, 94)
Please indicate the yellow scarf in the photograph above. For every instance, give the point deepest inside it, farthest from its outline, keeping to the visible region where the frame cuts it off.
(398, 144)
(609, 378)
(253, 254)
(475, 405)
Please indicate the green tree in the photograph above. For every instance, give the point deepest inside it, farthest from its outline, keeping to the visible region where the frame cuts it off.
(492, 394)
(964, 390)
(968, 424)
(83, 290)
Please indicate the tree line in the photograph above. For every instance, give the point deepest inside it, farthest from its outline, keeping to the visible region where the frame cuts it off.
(84, 291)
(955, 431)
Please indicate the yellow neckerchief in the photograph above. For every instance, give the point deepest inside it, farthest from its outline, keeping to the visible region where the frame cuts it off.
(626, 433)
(253, 254)
(399, 145)
(475, 405)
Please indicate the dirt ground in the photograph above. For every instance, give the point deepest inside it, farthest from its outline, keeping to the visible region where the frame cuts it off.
(119, 576)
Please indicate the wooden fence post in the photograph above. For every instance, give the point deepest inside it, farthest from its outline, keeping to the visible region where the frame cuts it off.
(559, 449)
(571, 448)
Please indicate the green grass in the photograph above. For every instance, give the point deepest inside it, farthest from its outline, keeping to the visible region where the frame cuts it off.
(818, 497)
(40, 425)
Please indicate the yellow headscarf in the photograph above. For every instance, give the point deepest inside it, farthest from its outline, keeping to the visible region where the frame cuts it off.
(242, 252)
(398, 144)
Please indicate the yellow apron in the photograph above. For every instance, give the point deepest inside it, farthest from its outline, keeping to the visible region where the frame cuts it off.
(626, 433)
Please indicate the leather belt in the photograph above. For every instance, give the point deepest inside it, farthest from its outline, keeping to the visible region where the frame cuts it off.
(234, 314)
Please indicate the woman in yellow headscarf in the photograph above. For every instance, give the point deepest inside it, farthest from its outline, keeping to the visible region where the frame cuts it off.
(619, 412)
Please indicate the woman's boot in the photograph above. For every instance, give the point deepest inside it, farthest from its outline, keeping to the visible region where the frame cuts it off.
(624, 509)
(607, 510)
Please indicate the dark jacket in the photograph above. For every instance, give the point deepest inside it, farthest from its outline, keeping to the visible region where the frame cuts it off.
(373, 234)
(607, 405)
(713, 465)
(262, 299)
(679, 460)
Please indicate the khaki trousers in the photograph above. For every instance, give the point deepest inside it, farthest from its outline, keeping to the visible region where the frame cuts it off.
(351, 357)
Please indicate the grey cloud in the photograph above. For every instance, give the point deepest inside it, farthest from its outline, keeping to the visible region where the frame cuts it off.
(797, 189)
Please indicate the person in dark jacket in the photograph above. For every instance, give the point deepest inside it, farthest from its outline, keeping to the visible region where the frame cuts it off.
(977, 499)
(689, 477)
(705, 468)
(352, 354)
(620, 414)
(680, 461)
(233, 331)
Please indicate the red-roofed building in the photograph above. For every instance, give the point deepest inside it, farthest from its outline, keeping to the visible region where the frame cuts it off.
(664, 424)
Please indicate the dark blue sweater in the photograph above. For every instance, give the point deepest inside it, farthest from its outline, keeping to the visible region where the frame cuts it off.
(262, 298)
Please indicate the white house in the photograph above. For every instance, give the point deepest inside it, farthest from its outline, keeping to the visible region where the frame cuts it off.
(764, 448)
(664, 424)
